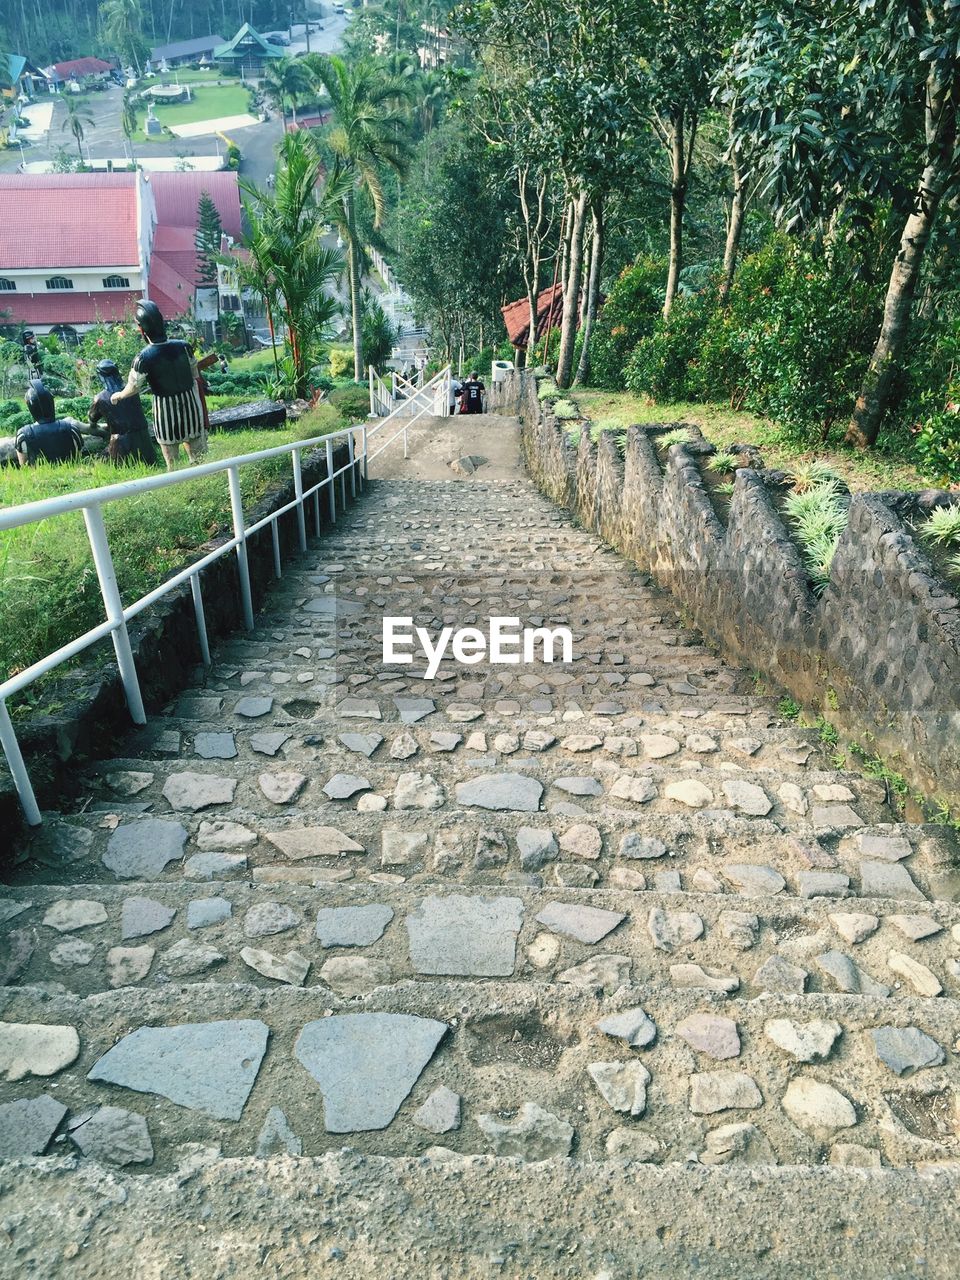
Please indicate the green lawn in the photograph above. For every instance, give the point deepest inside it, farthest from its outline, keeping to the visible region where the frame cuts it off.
(722, 425)
(208, 102)
(48, 588)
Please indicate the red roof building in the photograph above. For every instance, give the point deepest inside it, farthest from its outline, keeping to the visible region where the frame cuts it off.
(516, 316)
(173, 262)
(77, 68)
(68, 220)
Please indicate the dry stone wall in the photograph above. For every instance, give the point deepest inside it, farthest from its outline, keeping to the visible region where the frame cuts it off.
(878, 655)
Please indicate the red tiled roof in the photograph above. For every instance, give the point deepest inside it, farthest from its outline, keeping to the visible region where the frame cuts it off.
(76, 67)
(62, 220)
(65, 307)
(516, 315)
(169, 288)
(177, 196)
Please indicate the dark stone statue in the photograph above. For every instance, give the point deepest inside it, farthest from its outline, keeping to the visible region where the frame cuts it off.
(50, 438)
(130, 435)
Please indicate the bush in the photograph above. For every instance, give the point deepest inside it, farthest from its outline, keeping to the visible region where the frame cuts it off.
(351, 403)
(662, 363)
(341, 362)
(629, 314)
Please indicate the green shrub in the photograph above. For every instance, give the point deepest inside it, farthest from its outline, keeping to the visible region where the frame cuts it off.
(548, 391)
(341, 362)
(722, 463)
(351, 403)
(565, 409)
(660, 364)
(629, 314)
(679, 435)
(819, 517)
(811, 475)
(936, 443)
(942, 527)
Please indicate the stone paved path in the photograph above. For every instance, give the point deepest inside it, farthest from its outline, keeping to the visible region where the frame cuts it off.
(615, 909)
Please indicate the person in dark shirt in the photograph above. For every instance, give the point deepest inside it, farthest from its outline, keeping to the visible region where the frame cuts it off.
(471, 395)
(168, 367)
(130, 435)
(50, 439)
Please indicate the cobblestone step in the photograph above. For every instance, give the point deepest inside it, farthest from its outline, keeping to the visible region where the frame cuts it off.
(87, 938)
(531, 1073)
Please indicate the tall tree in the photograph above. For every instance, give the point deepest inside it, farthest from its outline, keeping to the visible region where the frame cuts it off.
(286, 262)
(287, 82)
(78, 118)
(209, 233)
(128, 120)
(367, 135)
(122, 23)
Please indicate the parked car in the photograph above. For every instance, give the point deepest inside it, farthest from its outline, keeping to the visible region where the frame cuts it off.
(277, 37)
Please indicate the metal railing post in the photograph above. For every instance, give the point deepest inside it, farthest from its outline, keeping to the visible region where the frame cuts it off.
(113, 608)
(298, 490)
(405, 453)
(353, 468)
(240, 532)
(330, 483)
(18, 770)
(201, 619)
(275, 539)
(373, 407)
(366, 452)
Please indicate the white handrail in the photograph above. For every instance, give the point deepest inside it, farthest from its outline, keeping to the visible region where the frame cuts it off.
(436, 395)
(91, 503)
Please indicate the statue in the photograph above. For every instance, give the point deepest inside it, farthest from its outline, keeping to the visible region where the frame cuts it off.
(50, 439)
(31, 350)
(169, 368)
(130, 436)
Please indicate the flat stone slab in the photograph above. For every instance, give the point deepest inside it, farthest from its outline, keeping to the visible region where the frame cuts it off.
(203, 912)
(313, 842)
(268, 744)
(212, 865)
(906, 1049)
(141, 850)
(291, 968)
(344, 785)
(277, 1138)
(27, 1125)
(533, 1134)
(36, 1049)
(586, 924)
(460, 936)
(215, 746)
(634, 1027)
(359, 709)
(366, 1064)
(74, 913)
(514, 792)
(141, 916)
(352, 926)
(364, 744)
(253, 708)
(113, 1134)
(196, 791)
(412, 710)
(623, 1085)
(440, 1113)
(887, 880)
(204, 1066)
(812, 1105)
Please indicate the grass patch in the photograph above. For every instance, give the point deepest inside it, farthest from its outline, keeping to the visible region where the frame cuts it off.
(207, 102)
(48, 587)
(723, 426)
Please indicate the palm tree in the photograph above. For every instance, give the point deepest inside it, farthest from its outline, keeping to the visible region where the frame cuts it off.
(367, 135)
(286, 262)
(128, 121)
(122, 23)
(285, 81)
(78, 115)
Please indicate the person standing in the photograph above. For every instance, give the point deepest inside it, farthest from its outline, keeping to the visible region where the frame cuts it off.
(168, 367)
(456, 386)
(471, 396)
(49, 439)
(130, 436)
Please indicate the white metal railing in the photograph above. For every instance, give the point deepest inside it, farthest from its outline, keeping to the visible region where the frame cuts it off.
(381, 396)
(91, 503)
(404, 388)
(433, 399)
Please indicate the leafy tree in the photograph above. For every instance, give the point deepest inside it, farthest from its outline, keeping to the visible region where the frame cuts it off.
(78, 118)
(379, 335)
(286, 262)
(287, 82)
(209, 232)
(367, 135)
(128, 120)
(122, 24)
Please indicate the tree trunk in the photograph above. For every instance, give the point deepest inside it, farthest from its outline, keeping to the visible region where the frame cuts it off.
(678, 200)
(593, 294)
(568, 326)
(738, 208)
(354, 259)
(941, 134)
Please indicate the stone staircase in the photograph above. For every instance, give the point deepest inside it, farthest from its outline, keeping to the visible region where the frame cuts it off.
(330, 931)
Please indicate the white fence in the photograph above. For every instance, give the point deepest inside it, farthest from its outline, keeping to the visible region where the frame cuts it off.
(432, 399)
(92, 501)
(403, 398)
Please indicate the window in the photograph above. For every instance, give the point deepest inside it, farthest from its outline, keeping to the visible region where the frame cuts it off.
(116, 282)
(229, 302)
(59, 282)
(7, 286)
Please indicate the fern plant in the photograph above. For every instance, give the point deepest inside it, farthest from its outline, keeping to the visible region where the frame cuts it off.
(679, 435)
(942, 527)
(813, 475)
(819, 517)
(722, 463)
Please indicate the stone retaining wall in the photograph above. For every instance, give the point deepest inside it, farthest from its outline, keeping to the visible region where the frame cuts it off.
(878, 655)
(166, 651)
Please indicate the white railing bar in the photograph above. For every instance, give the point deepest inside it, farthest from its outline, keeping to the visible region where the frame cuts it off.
(275, 538)
(18, 768)
(201, 618)
(243, 563)
(40, 668)
(298, 490)
(29, 512)
(331, 492)
(113, 605)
